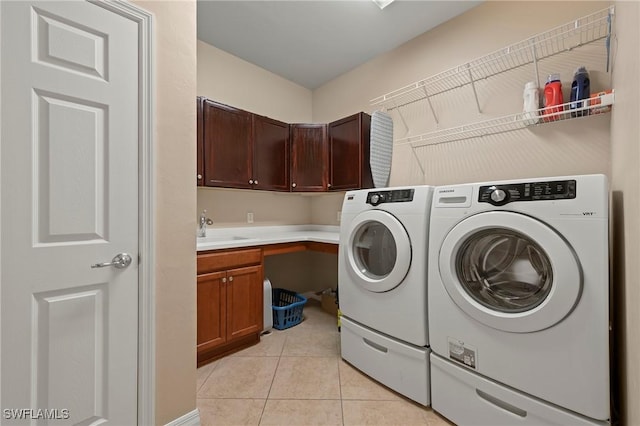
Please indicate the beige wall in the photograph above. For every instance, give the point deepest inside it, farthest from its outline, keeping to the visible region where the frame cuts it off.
(228, 79)
(229, 207)
(325, 208)
(581, 146)
(175, 167)
(625, 179)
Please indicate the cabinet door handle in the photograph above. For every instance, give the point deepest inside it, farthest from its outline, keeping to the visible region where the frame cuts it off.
(293, 185)
(224, 280)
(328, 185)
(255, 182)
(199, 177)
(230, 279)
(250, 181)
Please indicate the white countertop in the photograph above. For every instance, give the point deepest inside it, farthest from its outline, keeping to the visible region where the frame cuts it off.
(222, 238)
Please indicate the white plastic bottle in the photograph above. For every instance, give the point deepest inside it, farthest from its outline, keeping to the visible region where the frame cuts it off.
(531, 103)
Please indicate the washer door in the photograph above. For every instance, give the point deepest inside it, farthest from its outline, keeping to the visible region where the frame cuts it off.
(510, 271)
(378, 252)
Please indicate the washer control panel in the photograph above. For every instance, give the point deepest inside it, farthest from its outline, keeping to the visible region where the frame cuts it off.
(499, 195)
(392, 196)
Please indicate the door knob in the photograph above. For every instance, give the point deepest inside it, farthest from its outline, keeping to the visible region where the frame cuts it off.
(120, 261)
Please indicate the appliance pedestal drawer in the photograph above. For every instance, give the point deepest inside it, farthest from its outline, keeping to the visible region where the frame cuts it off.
(465, 398)
(400, 366)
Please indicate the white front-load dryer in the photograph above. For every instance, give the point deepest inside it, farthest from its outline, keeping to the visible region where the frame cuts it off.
(382, 263)
(382, 285)
(519, 301)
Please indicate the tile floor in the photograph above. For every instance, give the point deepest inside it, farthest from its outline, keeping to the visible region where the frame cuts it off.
(296, 377)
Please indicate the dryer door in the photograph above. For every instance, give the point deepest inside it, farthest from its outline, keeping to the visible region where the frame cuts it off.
(378, 252)
(510, 271)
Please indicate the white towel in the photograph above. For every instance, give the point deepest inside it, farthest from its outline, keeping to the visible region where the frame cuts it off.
(381, 148)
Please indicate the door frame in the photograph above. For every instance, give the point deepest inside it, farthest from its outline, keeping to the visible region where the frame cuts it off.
(146, 200)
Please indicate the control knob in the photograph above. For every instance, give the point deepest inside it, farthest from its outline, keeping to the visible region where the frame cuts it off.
(376, 199)
(498, 196)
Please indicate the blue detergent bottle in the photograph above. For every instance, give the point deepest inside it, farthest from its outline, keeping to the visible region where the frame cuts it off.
(580, 90)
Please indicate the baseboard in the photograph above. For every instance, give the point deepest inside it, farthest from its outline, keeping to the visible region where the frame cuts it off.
(189, 419)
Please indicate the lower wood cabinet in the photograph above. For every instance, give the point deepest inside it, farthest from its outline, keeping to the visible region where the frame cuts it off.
(230, 302)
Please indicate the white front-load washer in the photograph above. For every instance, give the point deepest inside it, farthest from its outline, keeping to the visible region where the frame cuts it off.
(382, 285)
(519, 298)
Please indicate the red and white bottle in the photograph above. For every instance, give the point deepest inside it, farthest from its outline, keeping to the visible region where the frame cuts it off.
(553, 99)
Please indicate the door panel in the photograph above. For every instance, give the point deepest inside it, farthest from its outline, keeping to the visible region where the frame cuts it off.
(244, 301)
(69, 200)
(72, 322)
(227, 146)
(270, 154)
(310, 157)
(349, 150)
(212, 313)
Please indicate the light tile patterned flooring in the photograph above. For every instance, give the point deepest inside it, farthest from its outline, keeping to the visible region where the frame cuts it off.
(296, 377)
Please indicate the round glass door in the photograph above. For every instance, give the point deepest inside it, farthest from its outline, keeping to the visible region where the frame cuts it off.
(374, 250)
(379, 251)
(504, 270)
(510, 271)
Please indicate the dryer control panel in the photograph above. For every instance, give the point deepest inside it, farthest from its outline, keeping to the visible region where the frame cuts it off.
(392, 196)
(499, 195)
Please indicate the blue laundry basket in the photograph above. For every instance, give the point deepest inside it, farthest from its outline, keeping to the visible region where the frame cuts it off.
(287, 308)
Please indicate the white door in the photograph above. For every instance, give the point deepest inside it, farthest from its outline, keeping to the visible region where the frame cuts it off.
(510, 271)
(378, 253)
(69, 200)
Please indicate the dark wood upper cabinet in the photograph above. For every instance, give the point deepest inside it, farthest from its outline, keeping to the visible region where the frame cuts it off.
(309, 157)
(270, 154)
(239, 149)
(227, 146)
(349, 153)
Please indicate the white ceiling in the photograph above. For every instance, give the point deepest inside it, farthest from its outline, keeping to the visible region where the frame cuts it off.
(310, 42)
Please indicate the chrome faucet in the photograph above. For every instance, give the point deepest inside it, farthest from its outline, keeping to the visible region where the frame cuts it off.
(202, 226)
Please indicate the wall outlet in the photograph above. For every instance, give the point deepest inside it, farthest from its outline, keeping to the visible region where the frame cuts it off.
(338, 216)
(250, 217)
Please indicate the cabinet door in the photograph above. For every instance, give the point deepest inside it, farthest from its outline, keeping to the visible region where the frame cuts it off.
(227, 146)
(200, 141)
(244, 301)
(349, 153)
(212, 313)
(309, 157)
(270, 154)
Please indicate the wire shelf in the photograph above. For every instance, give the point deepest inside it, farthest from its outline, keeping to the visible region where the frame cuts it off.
(576, 33)
(508, 123)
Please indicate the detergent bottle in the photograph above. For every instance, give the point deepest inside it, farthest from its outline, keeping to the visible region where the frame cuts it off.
(531, 103)
(580, 90)
(553, 99)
